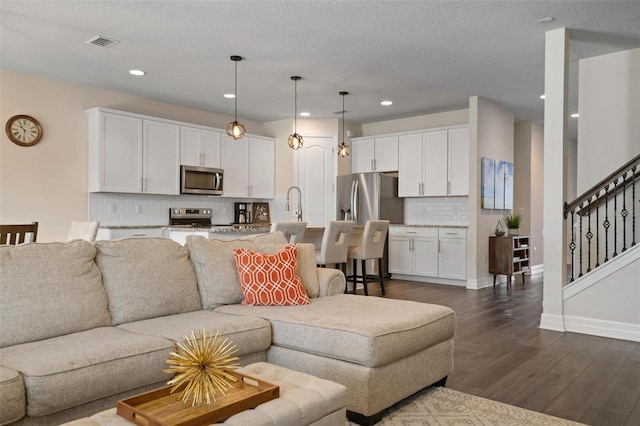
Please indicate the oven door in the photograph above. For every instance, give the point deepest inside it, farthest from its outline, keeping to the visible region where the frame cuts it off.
(201, 180)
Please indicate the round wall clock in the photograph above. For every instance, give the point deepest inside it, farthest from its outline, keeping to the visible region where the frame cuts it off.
(23, 130)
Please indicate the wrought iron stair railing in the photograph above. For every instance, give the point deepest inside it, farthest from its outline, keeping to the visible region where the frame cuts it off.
(603, 220)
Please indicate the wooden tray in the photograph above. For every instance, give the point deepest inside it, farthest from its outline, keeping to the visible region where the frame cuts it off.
(162, 408)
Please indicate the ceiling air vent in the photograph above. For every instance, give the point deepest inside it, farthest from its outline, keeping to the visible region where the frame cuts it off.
(102, 41)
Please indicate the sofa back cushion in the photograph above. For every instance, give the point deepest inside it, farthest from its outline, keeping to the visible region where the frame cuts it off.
(216, 267)
(147, 278)
(48, 290)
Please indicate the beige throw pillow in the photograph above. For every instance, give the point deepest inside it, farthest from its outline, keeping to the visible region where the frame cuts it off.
(216, 269)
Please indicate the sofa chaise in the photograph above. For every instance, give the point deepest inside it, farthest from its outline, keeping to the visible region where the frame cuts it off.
(83, 325)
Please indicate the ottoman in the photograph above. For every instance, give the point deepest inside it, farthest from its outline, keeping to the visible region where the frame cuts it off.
(304, 400)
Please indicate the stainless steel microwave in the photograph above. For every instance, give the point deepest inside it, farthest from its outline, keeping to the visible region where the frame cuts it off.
(201, 180)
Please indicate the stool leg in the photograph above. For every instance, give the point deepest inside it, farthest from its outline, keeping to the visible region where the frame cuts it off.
(364, 277)
(354, 275)
(380, 275)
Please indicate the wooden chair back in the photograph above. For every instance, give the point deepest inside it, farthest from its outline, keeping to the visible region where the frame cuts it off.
(16, 234)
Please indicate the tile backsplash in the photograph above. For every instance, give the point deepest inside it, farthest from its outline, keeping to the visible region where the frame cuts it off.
(143, 210)
(437, 211)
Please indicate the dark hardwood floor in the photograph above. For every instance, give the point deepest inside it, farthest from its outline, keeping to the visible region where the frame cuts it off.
(501, 354)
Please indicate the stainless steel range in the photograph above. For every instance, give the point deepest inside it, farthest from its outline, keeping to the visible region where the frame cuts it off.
(193, 217)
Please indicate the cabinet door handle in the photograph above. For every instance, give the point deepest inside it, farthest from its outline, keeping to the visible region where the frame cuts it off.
(375, 164)
(202, 158)
(372, 164)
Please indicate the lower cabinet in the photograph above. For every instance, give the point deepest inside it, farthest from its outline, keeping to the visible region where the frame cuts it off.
(416, 252)
(413, 251)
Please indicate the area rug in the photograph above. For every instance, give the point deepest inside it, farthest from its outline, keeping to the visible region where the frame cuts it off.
(447, 407)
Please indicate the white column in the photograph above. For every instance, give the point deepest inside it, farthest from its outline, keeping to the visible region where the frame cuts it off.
(556, 85)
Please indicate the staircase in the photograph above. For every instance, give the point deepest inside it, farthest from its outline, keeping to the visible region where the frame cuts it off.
(602, 296)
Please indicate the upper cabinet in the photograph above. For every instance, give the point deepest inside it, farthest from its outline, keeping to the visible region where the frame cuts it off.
(378, 154)
(434, 163)
(249, 167)
(200, 147)
(132, 155)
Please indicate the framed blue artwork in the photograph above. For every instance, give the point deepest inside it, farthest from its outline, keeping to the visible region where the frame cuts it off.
(497, 184)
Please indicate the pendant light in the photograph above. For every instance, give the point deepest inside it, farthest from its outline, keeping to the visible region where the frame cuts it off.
(295, 140)
(343, 148)
(235, 129)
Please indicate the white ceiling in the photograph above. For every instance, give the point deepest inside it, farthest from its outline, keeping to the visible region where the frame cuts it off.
(425, 56)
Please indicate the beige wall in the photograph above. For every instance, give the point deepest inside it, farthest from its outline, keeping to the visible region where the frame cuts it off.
(48, 182)
(528, 181)
(449, 118)
(491, 134)
(609, 107)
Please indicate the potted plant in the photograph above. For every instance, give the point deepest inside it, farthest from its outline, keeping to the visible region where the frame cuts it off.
(512, 220)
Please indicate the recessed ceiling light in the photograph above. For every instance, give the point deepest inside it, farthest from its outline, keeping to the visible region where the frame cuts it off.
(305, 114)
(136, 72)
(386, 103)
(229, 95)
(542, 96)
(546, 20)
(575, 115)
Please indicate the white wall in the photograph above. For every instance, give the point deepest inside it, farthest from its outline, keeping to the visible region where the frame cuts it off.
(608, 306)
(491, 134)
(609, 107)
(528, 197)
(449, 118)
(48, 182)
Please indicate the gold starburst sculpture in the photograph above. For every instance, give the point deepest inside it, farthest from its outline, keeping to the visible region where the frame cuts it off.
(200, 363)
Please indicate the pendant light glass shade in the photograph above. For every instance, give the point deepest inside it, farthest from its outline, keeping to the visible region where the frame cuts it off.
(235, 129)
(295, 139)
(343, 148)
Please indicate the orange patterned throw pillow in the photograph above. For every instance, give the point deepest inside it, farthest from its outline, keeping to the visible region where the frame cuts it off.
(270, 279)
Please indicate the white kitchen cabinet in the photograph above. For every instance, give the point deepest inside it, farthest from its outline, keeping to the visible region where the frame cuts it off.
(428, 254)
(249, 167)
(199, 147)
(378, 154)
(453, 253)
(413, 251)
(161, 157)
(459, 161)
(130, 154)
(115, 152)
(434, 163)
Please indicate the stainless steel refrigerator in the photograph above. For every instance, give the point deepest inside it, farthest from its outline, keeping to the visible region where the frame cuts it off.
(364, 196)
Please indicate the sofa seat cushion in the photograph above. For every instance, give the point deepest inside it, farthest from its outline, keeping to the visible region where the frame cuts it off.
(147, 278)
(48, 290)
(12, 396)
(369, 331)
(66, 371)
(250, 334)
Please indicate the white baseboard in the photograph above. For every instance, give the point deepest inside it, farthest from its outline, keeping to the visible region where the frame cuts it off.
(433, 280)
(483, 282)
(552, 322)
(603, 328)
(537, 269)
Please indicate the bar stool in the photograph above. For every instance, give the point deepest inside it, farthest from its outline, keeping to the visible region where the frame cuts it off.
(293, 231)
(335, 243)
(372, 247)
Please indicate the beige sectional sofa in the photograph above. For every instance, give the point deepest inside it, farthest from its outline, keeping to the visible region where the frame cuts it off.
(84, 325)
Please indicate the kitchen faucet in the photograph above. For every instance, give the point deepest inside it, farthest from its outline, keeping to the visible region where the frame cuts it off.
(298, 213)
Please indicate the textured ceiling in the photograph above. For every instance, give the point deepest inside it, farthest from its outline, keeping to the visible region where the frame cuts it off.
(425, 56)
